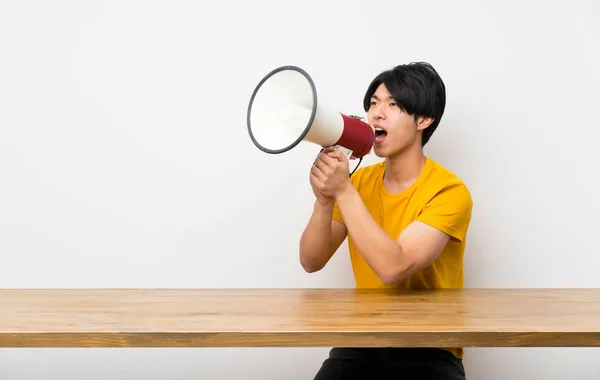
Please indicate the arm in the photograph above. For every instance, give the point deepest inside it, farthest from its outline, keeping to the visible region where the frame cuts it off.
(321, 238)
(447, 215)
(393, 260)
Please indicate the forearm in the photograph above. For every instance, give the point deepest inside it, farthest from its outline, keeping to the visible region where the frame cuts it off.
(379, 250)
(315, 243)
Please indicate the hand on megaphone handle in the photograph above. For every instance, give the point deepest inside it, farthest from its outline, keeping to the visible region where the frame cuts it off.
(329, 173)
(321, 198)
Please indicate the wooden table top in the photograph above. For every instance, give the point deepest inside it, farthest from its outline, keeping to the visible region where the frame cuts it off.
(299, 318)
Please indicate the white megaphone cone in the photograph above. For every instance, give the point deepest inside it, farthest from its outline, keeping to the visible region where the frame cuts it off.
(284, 111)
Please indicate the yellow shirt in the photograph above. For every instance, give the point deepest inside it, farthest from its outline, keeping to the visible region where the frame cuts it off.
(438, 198)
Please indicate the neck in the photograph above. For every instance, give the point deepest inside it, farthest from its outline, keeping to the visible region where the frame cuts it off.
(402, 170)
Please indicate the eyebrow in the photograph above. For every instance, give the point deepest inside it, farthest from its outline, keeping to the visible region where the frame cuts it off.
(376, 97)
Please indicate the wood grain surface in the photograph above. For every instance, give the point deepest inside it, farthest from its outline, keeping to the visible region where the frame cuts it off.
(299, 318)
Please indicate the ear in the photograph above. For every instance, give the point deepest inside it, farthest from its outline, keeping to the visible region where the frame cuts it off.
(423, 122)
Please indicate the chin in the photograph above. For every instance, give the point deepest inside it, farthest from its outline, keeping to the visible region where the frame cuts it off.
(380, 152)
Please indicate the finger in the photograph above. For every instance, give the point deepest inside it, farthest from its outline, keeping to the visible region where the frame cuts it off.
(322, 164)
(338, 155)
(317, 173)
(325, 150)
(329, 158)
(314, 181)
(333, 156)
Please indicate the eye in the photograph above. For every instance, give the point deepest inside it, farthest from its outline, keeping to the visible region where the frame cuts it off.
(392, 104)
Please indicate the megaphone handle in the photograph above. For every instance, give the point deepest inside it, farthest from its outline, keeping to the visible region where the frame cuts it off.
(347, 152)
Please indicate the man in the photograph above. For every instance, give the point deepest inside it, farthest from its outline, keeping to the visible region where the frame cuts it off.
(406, 219)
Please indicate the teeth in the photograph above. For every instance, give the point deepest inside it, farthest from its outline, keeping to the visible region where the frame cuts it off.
(379, 129)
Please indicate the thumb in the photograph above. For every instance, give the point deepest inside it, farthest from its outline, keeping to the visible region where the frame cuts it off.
(337, 154)
(340, 154)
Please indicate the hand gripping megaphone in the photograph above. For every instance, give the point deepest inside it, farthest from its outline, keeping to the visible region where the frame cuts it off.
(284, 111)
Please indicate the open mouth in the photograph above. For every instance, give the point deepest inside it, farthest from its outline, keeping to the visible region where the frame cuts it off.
(379, 134)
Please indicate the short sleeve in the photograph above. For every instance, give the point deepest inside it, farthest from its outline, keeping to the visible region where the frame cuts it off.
(449, 210)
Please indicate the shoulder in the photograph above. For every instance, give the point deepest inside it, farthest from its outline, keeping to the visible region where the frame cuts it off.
(440, 180)
(448, 202)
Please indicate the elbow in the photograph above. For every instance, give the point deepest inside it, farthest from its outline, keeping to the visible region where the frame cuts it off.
(393, 274)
(310, 266)
(390, 279)
(396, 268)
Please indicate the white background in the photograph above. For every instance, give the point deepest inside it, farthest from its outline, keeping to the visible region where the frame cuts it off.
(125, 160)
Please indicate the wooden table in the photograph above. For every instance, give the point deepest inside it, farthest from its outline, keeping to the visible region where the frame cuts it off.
(299, 318)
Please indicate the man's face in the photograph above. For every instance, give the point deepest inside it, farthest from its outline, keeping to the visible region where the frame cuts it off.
(395, 130)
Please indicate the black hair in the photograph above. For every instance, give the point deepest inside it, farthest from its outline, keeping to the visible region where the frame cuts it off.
(417, 88)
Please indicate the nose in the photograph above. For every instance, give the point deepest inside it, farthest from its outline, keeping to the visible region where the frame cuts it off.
(377, 111)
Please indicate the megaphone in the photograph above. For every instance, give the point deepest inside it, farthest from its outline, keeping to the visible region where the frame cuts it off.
(284, 111)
